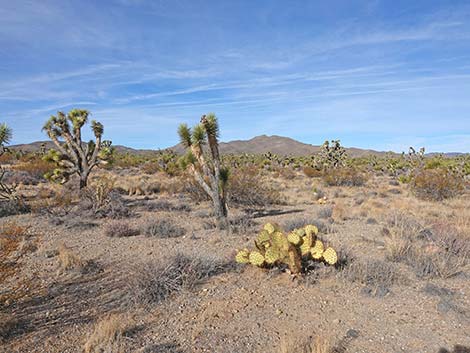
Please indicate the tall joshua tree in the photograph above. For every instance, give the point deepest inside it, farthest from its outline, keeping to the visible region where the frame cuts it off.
(206, 167)
(72, 155)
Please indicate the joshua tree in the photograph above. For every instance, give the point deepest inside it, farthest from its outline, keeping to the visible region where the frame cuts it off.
(6, 192)
(72, 155)
(5, 136)
(332, 155)
(206, 169)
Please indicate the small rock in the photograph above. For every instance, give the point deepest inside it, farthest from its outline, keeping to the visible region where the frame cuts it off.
(352, 333)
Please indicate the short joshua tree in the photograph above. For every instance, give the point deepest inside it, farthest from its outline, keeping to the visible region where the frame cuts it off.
(332, 155)
(5, 136)
(206, 168)
(72, 156)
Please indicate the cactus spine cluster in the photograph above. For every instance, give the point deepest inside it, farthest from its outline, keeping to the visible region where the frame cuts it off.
(72, 155)
(273, 247)
(208, 172)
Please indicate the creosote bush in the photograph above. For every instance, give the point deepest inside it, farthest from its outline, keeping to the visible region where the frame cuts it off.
(120, 229)
(246, 188)
(162, 228)
(13, 207)
(344, 177)
(436, 184)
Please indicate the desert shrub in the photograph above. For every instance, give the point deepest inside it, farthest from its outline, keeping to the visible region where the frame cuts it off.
(56, 203)
(300, 222)
(120, 229)
(242, 224)
(378, 275)
(436, 184)
(36, 168)
(287, 173)
(98, 193)
(150, 168)
(344, 177)
(113, 206)
(16, 177)
(162, 228)
(325, 212)
(440, 251)
(247, 189)
(190, 187)
(164, 205)
(312, 172)
(13, 207)
(7, 158)
(156, 281)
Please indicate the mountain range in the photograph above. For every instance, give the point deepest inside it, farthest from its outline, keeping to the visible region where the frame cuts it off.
(280, 145)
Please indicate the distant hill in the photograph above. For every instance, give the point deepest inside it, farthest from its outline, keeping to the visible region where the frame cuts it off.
(283, 146)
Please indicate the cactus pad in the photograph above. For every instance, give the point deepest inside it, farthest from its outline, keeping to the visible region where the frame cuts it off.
(311, 229)
(317, 250)
(294, 238)
(330, 256)
(242, 256)
(307, 241)
(270, 228)
(256, 258)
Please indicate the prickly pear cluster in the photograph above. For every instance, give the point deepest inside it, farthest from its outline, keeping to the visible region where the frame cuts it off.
(274, 248)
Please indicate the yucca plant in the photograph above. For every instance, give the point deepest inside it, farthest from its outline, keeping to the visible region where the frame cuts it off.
(206, 167)
(5, 137)
(72, 155)
(7, 192)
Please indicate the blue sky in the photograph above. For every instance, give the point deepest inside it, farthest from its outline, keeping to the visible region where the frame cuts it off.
(375, 74)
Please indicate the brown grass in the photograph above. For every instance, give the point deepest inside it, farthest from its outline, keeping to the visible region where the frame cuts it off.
(68, 260)
(107, 335)
(292, 344)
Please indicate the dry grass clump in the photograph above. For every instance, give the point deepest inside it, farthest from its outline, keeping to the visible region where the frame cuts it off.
(293, 344)
(436, 184)
(439, 251)
(376, 274)
(162, 228)
(325, 212)
(120, 229)
(69, 261)
(344, 177)
(156, 281)
(300, 222)
(108, 334)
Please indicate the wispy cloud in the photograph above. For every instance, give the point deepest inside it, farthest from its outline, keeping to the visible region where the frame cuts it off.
(138, 64)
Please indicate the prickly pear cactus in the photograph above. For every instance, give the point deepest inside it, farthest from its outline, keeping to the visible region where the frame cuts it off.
(275, 248)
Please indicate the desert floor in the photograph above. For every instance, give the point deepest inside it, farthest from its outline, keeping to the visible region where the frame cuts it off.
(68, 287)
